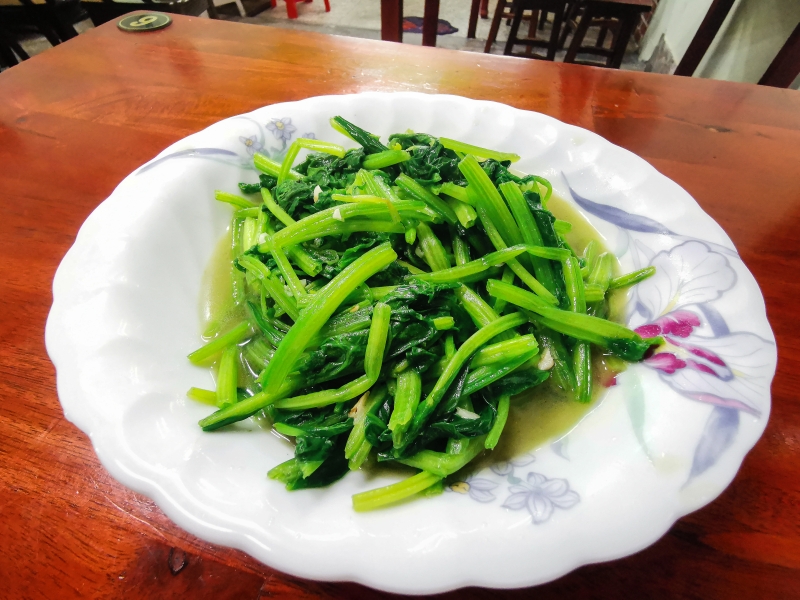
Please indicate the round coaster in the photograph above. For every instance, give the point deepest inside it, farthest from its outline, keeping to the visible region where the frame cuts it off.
(144, 22)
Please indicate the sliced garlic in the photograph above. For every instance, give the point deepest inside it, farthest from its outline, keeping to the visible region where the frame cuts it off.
(546, 362)
(465, 414)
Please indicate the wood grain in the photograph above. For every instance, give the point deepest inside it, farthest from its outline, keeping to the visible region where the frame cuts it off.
(77, 119)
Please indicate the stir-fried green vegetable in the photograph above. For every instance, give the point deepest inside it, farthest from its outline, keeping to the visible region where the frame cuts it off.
(393, 299)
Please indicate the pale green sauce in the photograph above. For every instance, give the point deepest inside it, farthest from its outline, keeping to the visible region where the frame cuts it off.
(544, 413)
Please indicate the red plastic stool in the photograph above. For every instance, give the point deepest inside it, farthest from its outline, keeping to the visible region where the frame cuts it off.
(291, 6)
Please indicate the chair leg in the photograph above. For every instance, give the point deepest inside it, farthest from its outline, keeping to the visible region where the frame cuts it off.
(601, 36)
(327, 6)
(291, 8)
(571, 16)
(473, 18)
(430, 22)
(484, 9)
(552, 46)
(626, 27)
(580, 33)
(49, 34)
(512, 33)
(532, 25)
(392, 20)
(495, 26)
(211, 9)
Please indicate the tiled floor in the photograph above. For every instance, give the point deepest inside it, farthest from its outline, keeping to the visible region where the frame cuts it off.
(361, 18)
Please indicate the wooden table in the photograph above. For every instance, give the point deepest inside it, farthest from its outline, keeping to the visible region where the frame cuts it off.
(78, 118)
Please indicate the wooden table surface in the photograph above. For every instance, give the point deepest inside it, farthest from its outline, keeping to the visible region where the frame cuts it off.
(76, 119)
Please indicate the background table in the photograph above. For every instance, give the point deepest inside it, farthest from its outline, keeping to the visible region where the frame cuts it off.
(76, 119)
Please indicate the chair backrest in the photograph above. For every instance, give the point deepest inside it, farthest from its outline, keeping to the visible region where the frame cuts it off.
(785, 68)
(709, 28)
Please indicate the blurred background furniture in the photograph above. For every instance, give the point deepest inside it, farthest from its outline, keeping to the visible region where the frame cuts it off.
(216, 3)
(53, 19)
(539, 11)
(101, 11)
(711, 24)
(619, 17)
(392, 21)
(291, 6)
(785, 68)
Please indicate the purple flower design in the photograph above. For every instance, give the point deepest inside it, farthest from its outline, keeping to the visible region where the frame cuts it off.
(282, 129)
(309, 136)
(477, 488)
(251, 144)
(541, 496)
(701, 359)
(503, 468)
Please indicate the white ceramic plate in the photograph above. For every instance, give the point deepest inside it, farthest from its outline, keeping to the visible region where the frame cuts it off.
(663, 442)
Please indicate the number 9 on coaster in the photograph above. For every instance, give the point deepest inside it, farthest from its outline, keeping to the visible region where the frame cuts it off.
(144, 22)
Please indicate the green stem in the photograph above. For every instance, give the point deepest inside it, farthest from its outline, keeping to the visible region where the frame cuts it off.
(499, 423)
(272, 286)
(237, 277)
(311, 320)
(508, 277)
(441, 464)
(456, 191)
(406, 400)
(227, 376)
(464, 353)
(348, 218)
(485, 195)
(530, 233)
(506, 349)
(514, 264)
(233, 199)
(631, 278)
(357, 447)
(200, 395)
(387, 158)
(447, 275)
(415, 190)
(291, 278)
(609, 335)
(457, 146)
(432, 249)
(276, 210)
(460, 250)
(209, 351)
(465, 213)
(271, 167)
(391, 494)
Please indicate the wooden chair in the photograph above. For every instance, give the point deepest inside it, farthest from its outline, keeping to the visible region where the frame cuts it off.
(53, 19)
(478, 7)
(291, 6)
(11, 53)
(785, 68)
(392, 21)
(619, 17)
(515, 12)
(701, 41)
(507, 9)
(213, 4)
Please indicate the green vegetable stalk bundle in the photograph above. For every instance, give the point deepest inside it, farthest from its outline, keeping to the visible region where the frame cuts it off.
(392, 300)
